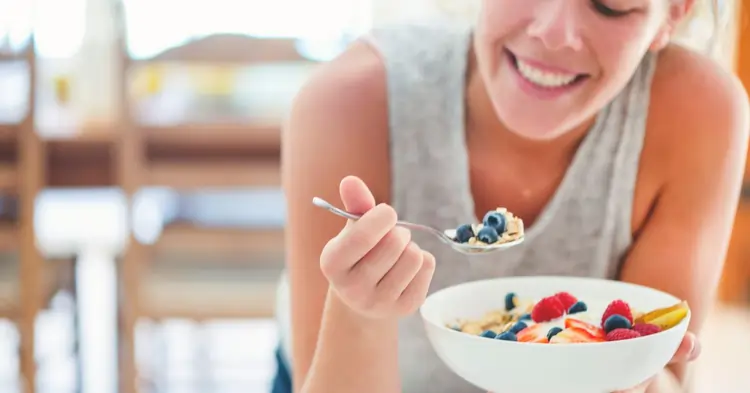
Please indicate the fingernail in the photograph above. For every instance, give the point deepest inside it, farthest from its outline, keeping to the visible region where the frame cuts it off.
(696, 350)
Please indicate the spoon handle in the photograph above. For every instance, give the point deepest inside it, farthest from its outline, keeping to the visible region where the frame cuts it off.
(335, 210)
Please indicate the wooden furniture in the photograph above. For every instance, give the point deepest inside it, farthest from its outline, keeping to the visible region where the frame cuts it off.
(174, 277)
(22, 176)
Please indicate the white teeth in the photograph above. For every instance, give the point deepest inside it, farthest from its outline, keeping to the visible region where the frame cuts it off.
(544, 78)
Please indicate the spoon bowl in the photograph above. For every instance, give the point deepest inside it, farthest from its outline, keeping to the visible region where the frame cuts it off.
(445, 236)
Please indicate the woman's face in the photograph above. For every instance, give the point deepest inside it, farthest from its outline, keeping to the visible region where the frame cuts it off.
(549, 65)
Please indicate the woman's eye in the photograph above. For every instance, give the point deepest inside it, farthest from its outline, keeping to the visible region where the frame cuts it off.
(606, 11)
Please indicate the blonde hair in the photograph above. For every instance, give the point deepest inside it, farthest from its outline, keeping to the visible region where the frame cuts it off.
(710, 29)
(706, 28)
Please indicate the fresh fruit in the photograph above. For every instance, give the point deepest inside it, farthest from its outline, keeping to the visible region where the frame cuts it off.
(495, 220)
(464, 233)
(651, 315)
(622, 334)
(553, 332)
(517, 327)
(533, 334)
(618, 307)
(547, 309)
(525, 317)
(488, 334)
(578, 307)
(670, 320)
(616, 321)
(593, 330)
(646, 329)
(507, 336)
(667, 318)
(487, 235)
(511, 301)
(566, 299)
(574, 335)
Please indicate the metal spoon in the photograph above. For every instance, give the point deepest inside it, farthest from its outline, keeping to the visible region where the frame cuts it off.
(446, 236)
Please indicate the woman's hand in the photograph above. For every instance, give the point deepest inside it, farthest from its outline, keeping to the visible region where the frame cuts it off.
(688, 351)
(372, 264)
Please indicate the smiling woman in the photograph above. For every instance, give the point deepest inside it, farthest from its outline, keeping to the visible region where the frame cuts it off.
(622, 154)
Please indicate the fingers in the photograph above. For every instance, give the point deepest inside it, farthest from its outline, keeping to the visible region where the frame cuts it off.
(697, 348)
(415, 293)
(375, 265)
(401, 274)
(355, 195)
(687, 349)
(351, 245)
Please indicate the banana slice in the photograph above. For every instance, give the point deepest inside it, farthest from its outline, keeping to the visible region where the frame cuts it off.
(666, 318)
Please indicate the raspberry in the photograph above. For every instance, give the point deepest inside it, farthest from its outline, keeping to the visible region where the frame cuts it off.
(622, 334)
(547, 309)
(618, 307)
(566, 299)
(646, 329)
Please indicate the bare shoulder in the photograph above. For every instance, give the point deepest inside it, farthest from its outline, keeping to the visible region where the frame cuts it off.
(339, 122)
(699, 111)
(338, 126)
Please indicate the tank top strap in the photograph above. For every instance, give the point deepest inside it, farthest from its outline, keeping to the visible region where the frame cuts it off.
(619, 157)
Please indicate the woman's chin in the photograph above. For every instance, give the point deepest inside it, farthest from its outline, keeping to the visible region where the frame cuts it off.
(534, 129)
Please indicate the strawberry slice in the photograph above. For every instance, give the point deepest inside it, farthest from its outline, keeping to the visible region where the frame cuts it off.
(594, 332)
(574, 335)
(533, 334)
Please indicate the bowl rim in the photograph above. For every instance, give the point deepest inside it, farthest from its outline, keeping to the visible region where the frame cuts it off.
(680, 326)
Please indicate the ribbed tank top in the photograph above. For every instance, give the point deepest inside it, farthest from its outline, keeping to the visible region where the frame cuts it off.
(584, 230)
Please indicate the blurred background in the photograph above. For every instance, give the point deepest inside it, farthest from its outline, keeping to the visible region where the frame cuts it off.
(141, 220)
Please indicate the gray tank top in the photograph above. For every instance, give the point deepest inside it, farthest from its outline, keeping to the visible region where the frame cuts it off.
(426, 68)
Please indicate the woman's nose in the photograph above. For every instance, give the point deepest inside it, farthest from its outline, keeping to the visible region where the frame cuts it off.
(555, 24)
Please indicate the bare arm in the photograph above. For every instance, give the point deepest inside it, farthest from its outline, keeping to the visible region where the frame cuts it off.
(682, 246)
(338, 127)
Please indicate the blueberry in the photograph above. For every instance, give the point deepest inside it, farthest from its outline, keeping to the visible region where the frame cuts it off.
(517, 327)
(507, 336)
(553, 332)
(487, 235)
(488, 334)
(577, 307)
(495, 220)
(464, 233)
(525, 317)
(510, 301)
(616, 322)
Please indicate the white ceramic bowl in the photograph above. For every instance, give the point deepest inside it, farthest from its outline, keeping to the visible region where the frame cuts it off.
(506, 366)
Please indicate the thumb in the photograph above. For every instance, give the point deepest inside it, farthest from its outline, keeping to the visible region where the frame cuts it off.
(355, 195)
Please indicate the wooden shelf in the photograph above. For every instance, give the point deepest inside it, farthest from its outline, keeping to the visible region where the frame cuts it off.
(255, 136)
(196, 175)
(8, 177)
(203, 299)
(9, 237)
(206, 240)
(8, 132)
